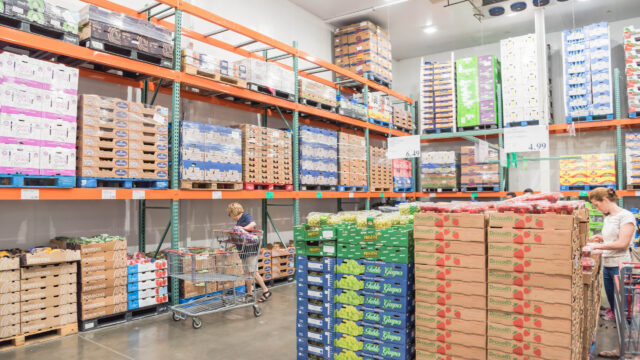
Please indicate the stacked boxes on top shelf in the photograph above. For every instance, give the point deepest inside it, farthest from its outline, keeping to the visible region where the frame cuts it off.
(316, 94)
(48, 291)
(380, 170)
(632, 56)
(589, 170)
(402, 175)
(451, 288)
(120, 140)
(282, 261)
(632, 157)
(481, 176)
(477, 80)
(365, 49)
(587, 73)
(44, 19)
(146, 281)
(210, 157)
(268, 77)
(208, 66)
(437, 96)
(439, 171)
(379, 107)
(138, 39)
(402, 118)
(535, 285)
(266, 158)
(349, 106)
(318, 157)
(522, 95)
(352, 153)
(37, 122)
(9, 295)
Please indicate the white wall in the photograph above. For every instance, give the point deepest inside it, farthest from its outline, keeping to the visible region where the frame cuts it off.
(407, 73)
(31, 223)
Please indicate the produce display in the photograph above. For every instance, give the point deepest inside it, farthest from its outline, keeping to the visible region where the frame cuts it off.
(438, 170)
(380, 170)
(352, 160)
(277, 261)
(38, 118)
(477, 80)
(479, 175)
(632, 57)
(210, 153)
(437, 96)
(266, 156)
(402, 175)
(318, 156)
(589, 169)
(146, 281)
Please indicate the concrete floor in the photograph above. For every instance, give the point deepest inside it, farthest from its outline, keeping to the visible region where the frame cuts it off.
(234, 335)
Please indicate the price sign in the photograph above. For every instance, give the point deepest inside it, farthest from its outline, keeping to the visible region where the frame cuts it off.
(350, 195)
(29, 194)
(526, 138)
(216, 194)
(108, 194)
(138, 195)
(482, 152)
(403, 147)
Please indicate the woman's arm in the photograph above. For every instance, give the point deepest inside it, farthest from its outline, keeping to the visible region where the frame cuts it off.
(624, 239)
(251, 226)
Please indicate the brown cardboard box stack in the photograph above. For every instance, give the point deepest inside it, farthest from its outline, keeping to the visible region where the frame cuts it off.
(48, 291)
(317, 92)
(266, 156)
(381, 174)
(451, 288)
(102, 284)
(121, 139)
(535, 286)
(363, 48)
(282, 261)
(352, 160)
(188, 289)
(264, 263)
(203, 263)
(9, 297)
(474, 174)
(402, 118)
(592, 291)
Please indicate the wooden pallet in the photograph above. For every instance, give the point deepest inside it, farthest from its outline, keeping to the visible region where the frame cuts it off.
(134, 54)
(318, 187)
(208, 185)
(38, 336)
(381, 189)
(267, 186)
(38, 29)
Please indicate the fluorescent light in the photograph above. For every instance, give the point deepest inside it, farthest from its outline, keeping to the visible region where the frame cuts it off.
(365, 11)
(430, 29)
(513, 13)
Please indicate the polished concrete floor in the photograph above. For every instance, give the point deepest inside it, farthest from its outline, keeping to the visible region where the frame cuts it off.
(234, 335)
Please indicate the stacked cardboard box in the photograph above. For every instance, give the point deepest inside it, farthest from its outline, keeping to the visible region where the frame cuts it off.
(380, 170)
(349, 106)
(589, 169)
(522, 92)
(363, 48)
(266, 158)
(352, 153)
(146, 281)
(210, 154)
(402, 118)
(451, 289)
(632, 56)
(475, 174)
(317, 92)
(48, 290)
(591, 301)
(632, 157)
(282, 261)
(477, 79)
(439, 170)
(535, 289)
(218, 69)
(402, 175)
(264, 263)
(379, 106)
(271, 75)
(437, 95)
(46, 14)
(38, 118)
(122, 139)
(318, 156)
(9, 296)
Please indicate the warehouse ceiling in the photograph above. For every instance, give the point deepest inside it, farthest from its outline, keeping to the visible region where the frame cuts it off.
(456, 26)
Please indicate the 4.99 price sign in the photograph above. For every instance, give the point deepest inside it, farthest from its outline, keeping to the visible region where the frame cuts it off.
(526, 138)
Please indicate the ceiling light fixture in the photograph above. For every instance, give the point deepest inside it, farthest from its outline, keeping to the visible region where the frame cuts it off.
(430, 29)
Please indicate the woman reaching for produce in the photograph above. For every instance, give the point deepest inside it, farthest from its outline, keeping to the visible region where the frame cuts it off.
(615, 241)
(245, 222)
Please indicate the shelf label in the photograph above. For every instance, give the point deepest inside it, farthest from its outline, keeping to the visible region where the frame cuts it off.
(30, 194)
(138, 194)
(402, 147)
(586, 193)
(381, 194)
(108, 194)
(404, 195)
(482, 152)
(269, 195)
(351, 195)
(526, 138)
(216, 195)
(431, 195)
(475, 194)
(319, 194)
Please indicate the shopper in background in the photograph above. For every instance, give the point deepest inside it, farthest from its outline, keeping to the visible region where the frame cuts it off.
(615, 241)
(528, 191)
(510, 195)
(246, 222)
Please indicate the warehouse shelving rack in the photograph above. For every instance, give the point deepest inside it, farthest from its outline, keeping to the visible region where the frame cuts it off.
(271, 106)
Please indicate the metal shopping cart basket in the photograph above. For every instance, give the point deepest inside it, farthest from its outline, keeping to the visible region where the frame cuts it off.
(627, 303)
(229, 263)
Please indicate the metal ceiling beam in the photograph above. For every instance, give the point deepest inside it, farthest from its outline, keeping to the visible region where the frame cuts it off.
(166, 16)
(148, 7)
(263, 49)
(248, 42)
(216, 32)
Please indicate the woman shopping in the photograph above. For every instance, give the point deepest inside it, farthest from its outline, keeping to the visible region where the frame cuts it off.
(615, 242)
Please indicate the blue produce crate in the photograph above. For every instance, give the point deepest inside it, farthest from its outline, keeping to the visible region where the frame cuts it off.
(345, 354)
(314, 306)
(374, 347)
(316, 334)
(316, 278)
(306, 347)
(383, 318)
(377, 285)
(371, 268)
(374, 332)
(400, 304)
(308, 291)
(134, 294)
(315, 263)
(37, 181)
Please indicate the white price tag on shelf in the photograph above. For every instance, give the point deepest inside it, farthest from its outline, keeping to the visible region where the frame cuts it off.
(350, 195)
(108, 194)
(216, 195)
(482, 152)
(404, 195)
(138, 195)
(503, 157)
(29, 194)
(526, 138)
(637, 193)
(402, 147)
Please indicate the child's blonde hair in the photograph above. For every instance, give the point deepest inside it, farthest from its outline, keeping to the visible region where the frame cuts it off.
(234, 209)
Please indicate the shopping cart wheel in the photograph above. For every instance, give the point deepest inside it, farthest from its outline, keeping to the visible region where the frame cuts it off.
(196, 323)
(257, 311)
(178, 317)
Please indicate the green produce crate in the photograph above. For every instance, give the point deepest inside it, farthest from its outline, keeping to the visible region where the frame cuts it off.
(401, 235)
(403, 255)
(324, 232)
(316, 248)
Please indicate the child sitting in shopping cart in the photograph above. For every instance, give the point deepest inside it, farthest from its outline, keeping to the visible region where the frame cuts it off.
(245, 222)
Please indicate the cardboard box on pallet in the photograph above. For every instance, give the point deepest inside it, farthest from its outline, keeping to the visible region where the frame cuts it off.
(9, 296)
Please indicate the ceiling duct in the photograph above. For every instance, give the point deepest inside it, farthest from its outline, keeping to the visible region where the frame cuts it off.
(491, 9)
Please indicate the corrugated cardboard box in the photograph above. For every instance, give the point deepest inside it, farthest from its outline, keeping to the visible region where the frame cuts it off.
(449, 233)
(445, 311)
(87, 314)
(452, 300)
(551, 267)
(463, 220)
(454, 351)
(466, 261)
(450, 247)
(530, 321)
(448, 286)
(530, 307)
(451, 337)
(452, 324)
(450, 273)
(529, 279)
(533, 336)
(35, 304)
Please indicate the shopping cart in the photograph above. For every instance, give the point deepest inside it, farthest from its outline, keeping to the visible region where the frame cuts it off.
(627, 303)
(230, 262)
